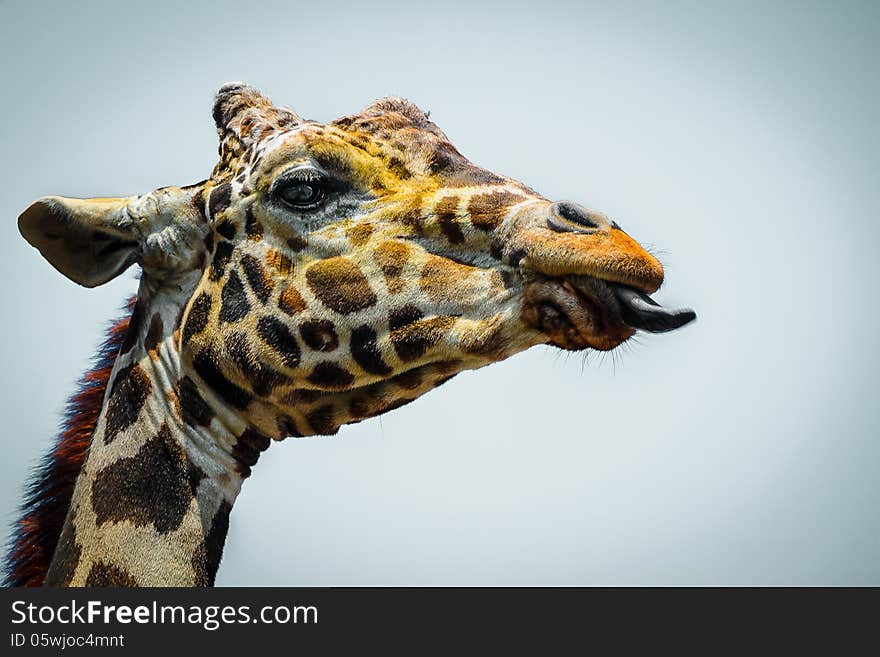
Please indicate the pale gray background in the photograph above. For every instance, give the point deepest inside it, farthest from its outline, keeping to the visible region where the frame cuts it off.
(738, 139)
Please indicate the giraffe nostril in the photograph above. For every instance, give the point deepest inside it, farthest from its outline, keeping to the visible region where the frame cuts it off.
(577, 214)
(566, 216)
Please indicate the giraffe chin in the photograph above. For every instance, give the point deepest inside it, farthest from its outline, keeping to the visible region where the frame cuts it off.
(580, 312)
(575, 313)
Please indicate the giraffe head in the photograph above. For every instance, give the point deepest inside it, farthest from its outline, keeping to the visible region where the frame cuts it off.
(331, 272)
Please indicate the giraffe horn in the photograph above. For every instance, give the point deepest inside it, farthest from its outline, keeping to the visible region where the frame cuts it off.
(243, 116)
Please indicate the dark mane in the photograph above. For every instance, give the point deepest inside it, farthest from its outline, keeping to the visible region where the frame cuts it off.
(48, 495)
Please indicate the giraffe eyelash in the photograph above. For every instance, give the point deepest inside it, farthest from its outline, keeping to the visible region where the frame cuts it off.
(317, 186)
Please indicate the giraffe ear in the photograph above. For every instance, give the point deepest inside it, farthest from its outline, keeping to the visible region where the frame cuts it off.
(91, 241)
(243, 116)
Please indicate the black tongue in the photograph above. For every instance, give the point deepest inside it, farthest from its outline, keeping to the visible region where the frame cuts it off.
(642, 312)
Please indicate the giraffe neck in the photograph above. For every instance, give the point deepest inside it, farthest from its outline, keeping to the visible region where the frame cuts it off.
(166, 462)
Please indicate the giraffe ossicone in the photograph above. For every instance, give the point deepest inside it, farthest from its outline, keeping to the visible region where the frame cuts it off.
(323, 274)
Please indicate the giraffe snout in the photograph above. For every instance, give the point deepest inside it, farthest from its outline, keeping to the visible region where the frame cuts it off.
(590, 280)
(566, 239)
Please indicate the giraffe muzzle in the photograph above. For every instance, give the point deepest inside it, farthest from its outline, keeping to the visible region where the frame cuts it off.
(579, 312)
(591, 280)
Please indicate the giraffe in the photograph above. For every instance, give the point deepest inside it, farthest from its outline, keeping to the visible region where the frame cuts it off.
(322, 275)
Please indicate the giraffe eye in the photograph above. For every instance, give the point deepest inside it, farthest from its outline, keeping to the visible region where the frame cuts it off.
(302, 195)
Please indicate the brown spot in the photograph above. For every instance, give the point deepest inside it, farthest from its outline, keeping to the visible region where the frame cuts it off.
(496, 250)
(128, 395)
(291, 301)
(287, 427)
(205, 365)
(226, 229)
(277, 335)
(322, 421)
(247, 450)
(67, 555)
(234, 304)
(214, 541)
(445, 158)
(393, 404)
(255, 440)
(340, 285)
(194, 476)
(222, 254)
(327, 374)
(400, 317)
(301, 396)
(219, 199)
(282, 265)
(105, 574)
(447, 369)
(262, 378)
(154, 336)
(412, 217)
(391, 258)
(514, 257)
(193, 408)
(365, 350)
(297, 243)
(353, 138)
(447, 210)
(319, 335)
(398, 168)
(149, 488)
(488, 210)
(252, 226)
(359, 407)
(413, 340)
(359, 234)
(197, 319)
(409, 380)
(246, 456)
(209, 242)
(261, 283)
(134, 326)
(198, 203)
(440, 277)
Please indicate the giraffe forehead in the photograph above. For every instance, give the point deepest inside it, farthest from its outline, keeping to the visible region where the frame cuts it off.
(373, 144)
(365, 164)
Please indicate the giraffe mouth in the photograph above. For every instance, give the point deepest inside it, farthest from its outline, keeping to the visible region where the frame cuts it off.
(579, 312)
